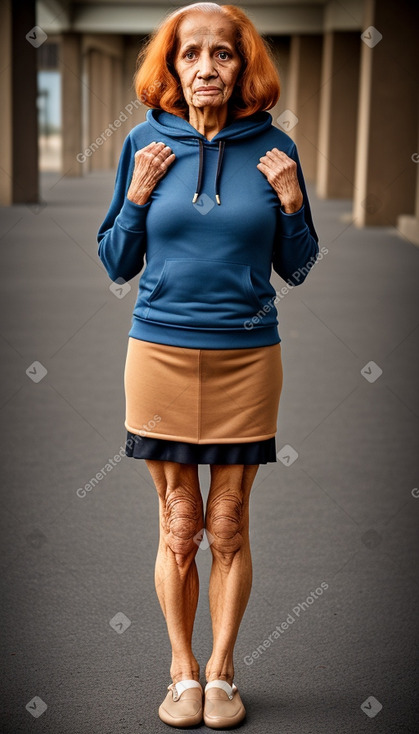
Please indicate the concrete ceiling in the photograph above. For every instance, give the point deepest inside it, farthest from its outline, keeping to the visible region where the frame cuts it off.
(273, 17)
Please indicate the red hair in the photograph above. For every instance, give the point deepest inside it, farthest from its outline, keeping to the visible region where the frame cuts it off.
(157, 84)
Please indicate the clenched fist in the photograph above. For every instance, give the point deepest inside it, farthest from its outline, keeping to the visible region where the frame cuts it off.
(151, 163)
(281, 172)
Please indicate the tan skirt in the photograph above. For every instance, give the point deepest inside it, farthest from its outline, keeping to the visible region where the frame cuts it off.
(202, 395)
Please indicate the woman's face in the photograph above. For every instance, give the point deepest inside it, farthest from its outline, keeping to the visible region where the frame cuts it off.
(206, 59)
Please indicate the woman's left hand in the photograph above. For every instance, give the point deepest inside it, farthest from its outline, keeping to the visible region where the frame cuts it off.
(281, 172)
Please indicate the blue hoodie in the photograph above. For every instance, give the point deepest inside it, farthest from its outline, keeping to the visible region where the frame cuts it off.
(211, 232)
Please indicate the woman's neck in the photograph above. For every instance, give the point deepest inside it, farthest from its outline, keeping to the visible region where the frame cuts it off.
(208, 120)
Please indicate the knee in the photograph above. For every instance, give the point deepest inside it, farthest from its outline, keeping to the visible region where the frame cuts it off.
(181, 522)
(225, 521)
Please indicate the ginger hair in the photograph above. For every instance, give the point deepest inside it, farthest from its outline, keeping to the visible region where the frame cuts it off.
(157, 84)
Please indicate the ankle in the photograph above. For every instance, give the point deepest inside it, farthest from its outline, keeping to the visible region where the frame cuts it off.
(184, 671)
(220, 673)
(220, 667)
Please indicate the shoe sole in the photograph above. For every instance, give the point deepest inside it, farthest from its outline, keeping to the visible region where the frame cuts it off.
(181, 723)
(223, 723)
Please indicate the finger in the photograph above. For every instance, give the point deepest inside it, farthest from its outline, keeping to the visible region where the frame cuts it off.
(264, 169)
(150, 148)
(154, 148)
(277, 156)
(164, 150)
(146, 147)
(164, 153)
(167, 161)
(170, 158)
(275, 153)
(268, 163)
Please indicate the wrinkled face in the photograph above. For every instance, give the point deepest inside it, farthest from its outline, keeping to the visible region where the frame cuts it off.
(206, 59)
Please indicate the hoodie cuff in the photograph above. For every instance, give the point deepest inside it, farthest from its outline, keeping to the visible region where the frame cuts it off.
(132, 216)
(292, 224)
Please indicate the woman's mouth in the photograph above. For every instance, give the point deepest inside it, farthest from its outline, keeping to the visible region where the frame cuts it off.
(207, 90)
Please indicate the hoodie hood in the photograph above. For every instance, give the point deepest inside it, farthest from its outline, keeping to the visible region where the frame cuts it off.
(174, 126)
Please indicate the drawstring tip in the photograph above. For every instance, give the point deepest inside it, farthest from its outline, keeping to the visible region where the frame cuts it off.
(218, 198)
(195, 198)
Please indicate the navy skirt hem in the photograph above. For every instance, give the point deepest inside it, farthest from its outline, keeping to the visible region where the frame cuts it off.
(254, 452)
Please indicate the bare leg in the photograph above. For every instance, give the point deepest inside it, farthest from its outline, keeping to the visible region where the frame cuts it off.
(176, 575)
(227, 520)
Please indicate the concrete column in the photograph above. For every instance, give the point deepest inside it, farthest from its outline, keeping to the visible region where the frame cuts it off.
(6, 123)
(409, 225)
(303, 99)
(71, 103)
(280, 47)
(131, 50)
(110, 105)
(107, 97)
(129, 65)
(19, 113)
(338, 114)
(100, 110)
(385, 179)
(122, 126)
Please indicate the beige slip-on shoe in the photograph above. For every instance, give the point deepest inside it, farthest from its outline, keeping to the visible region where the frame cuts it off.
(183, 704)
(223, 706)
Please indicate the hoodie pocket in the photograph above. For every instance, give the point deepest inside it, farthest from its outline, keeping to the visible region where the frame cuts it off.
(200, 293)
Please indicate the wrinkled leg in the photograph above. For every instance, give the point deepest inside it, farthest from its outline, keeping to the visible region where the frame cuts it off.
(227, 520)
(176, 576)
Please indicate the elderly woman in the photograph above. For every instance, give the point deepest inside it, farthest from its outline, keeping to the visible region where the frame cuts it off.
(213, 195)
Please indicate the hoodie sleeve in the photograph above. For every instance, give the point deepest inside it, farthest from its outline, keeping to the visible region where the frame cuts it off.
(296, 241)
(122, 235)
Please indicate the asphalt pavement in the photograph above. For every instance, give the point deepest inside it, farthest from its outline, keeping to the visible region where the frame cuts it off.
(328, 642)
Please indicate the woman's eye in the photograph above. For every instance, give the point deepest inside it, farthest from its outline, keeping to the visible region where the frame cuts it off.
(223, 55)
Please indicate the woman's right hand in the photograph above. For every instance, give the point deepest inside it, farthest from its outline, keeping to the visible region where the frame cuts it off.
(151, 163)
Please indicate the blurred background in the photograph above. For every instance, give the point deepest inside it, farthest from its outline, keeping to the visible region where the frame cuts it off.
(348, 100)
(85, 645)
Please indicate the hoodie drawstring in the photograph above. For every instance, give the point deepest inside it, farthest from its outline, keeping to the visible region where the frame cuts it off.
(221, 147)
(201, 165)
(217, 175)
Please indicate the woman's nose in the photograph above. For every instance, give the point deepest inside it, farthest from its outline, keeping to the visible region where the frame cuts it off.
(206, 68)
